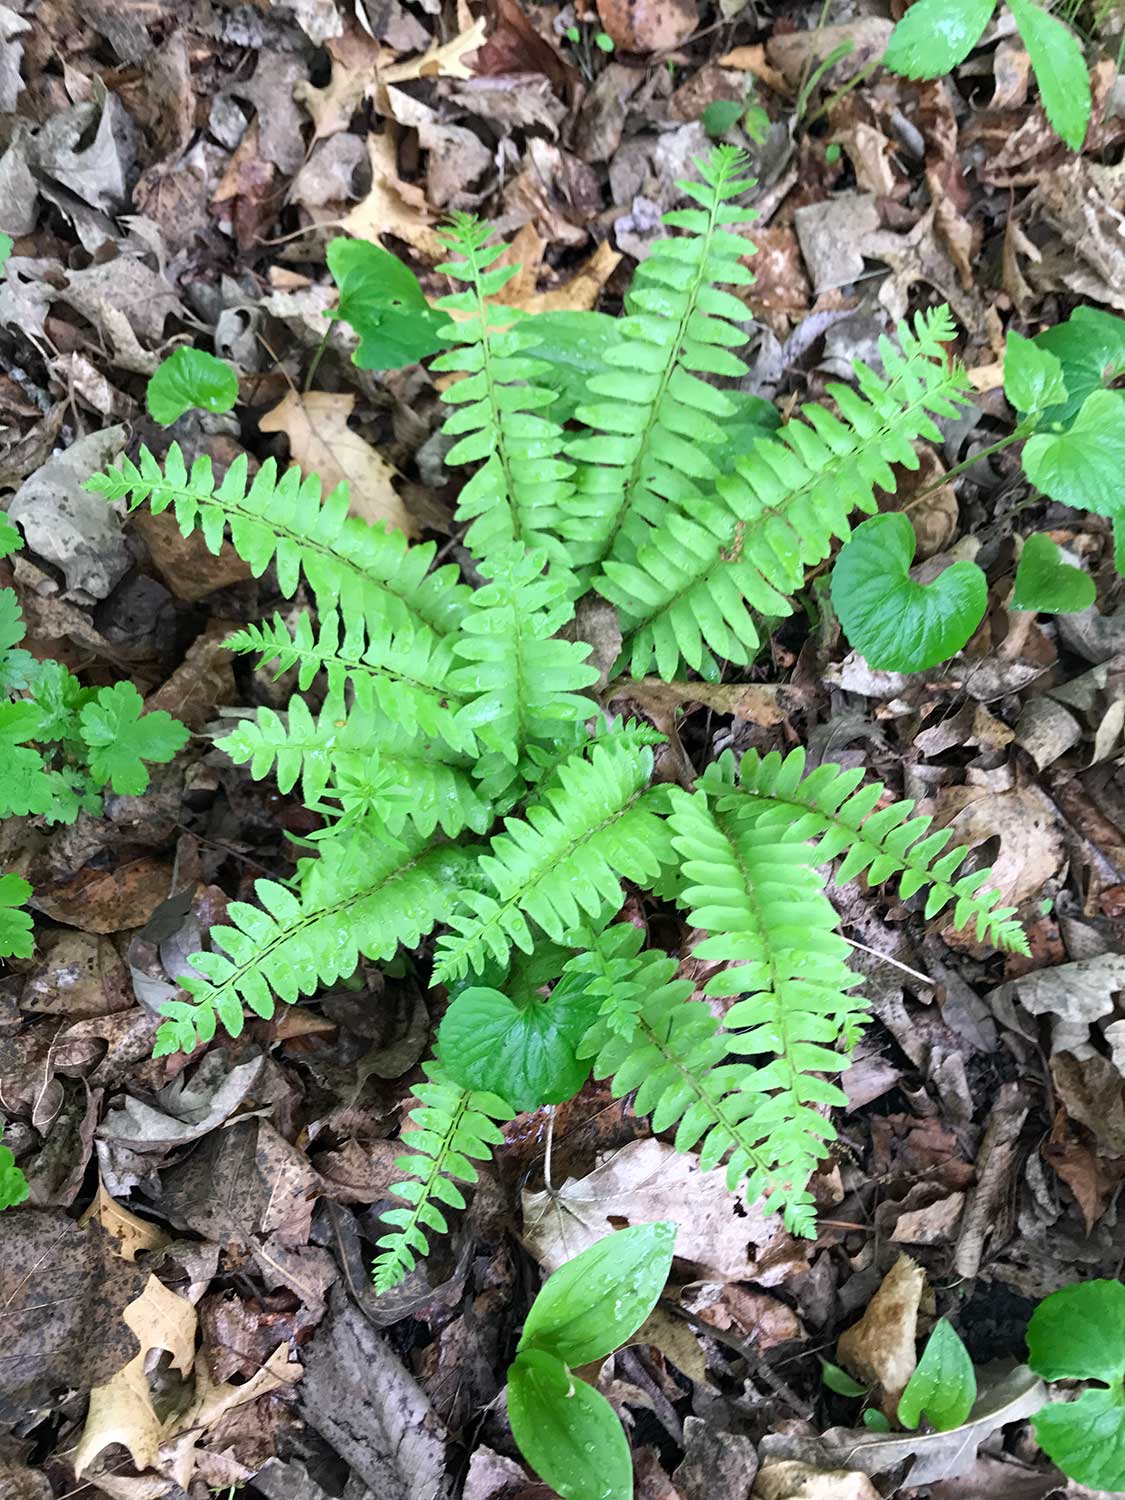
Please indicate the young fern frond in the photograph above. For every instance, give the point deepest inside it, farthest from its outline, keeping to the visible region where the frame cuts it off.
(452, 1128)
(655, 418)
(831, 807)
(406, 675)
(699, 574)
(367, 572)
(363, 895)
(516, 494)
(562, 863)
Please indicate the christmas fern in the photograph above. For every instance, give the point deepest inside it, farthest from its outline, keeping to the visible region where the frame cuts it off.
(479, 809)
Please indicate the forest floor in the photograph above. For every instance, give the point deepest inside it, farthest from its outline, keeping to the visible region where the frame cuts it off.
(171, 172)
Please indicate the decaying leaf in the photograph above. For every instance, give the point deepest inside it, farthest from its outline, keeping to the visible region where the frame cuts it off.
(880, 1348)
(788, 1479)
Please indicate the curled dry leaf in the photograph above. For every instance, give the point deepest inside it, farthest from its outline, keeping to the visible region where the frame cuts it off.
(880, 1348)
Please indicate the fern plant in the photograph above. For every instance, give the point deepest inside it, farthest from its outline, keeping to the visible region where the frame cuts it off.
(479, 808)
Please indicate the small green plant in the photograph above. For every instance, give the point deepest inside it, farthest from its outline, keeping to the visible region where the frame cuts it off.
(935, 35)
(942, 1388)
(593, 1305)
(583, 37)
(1047, 584)
(187, 379)
(1078, 1333)
(722, 115)
(383, 302)
(13, 1184)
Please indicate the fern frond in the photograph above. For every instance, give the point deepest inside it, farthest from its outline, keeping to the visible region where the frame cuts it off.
(521, 682)
(452, 1128)
(830, 806)
(404, 675)
(655, 418)
(752, 888)
(564, 862)
(363, 895)
(516, 494)
(699, 575)
(366, 571)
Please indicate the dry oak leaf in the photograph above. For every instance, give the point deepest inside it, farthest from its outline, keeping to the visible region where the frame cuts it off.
(130, 1233)
(879, 1349)
(321, 442)
(446, 60)
(392, 207)
(581, 292)
(648, 25)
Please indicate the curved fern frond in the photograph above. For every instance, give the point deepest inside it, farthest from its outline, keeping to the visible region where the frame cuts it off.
(363, 895)
(752, 888)
(563, 863)
(521, 682)
(830, 806)
(450, 1129)
(516, 494)
(366, 571)
(655, 418)
(698, 575)
(405, 675)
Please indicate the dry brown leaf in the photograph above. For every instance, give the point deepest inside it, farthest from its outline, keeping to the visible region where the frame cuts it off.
(580, 293)
(130, 1233)
(761, 703)
(392, 207)
(880, 1348)
(122, 1411)
(1025, 820)
(648, 25)
(753, 60)
(789, 1479)
(794, 52)
(321, 442)
(446, 60)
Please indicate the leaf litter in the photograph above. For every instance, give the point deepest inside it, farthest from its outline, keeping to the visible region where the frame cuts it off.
(184, 1295)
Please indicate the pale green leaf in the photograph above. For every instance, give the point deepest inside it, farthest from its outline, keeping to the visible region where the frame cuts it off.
(1083, 466)
(1047, 584)
(382, 300)
(1060, 69)
(1033, 376)
(121, 737)
(567, 1431)
(943, 1386)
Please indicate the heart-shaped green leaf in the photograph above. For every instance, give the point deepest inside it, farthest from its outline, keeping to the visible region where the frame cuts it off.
(1083, 466)
(190, 378)
(1047, 584)
(567, 1431)
(1090, 347)
(1078, 1333)
(1086, 1438)
(944, 1384)
(527, 1056)
(383, 302)
(897, 624)
(590, 1306)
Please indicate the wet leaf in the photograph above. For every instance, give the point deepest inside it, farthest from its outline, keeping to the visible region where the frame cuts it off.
(944, 1385)
(567, 1431)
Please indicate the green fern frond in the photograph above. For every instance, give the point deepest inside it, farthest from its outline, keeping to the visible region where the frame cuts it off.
(655, 419)
(752, 888)
(405, 675)
(563, 863)
(516, 494)
(368, 572)
(521, 682)
(363, 895)
(452, 1128)
(699, 574)
(830, 806)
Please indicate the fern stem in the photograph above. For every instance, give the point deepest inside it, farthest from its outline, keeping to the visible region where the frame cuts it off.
(497, 414)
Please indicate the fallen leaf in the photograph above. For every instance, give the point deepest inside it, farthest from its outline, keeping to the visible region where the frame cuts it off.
(788, 1479)
(443, 60)
(648, 25)
(580, 293)
(1079, 992)
(186, 564)
(716, 1465)
(129, 1233)
(106, 900)
(794, 52)
(758, 702)
(322, 443)
(1093, 1093)
(880, 1348)
(753, 60)
(1025, 820)
(646, 1181)
(392, 207)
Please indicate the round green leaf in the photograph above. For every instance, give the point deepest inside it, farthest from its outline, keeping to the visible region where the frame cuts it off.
(1086, 1438)
(190, 378)
(1083, 466)
(935, 35)
(527, 1056)
(382, 300)
(1047, 584)
(1090, 347)
(1060, 69)
(899, 625)
(567, 1431)
(1033, 376)
(1078, 1333)
(590, 1306)
(944, 1383)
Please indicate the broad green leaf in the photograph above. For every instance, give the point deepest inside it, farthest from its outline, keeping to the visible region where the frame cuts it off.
(1083, 466)
(1086, 1438)
(16, 940)
(1078, 1333)
(1048, 585)
(527, 1056)
(944, 1384)
(190, 379)
(1033, 376)
(121, 738)
(1090, 346)
(839, 1380)
(10, 538)
(382, 300)
(1060, 68)
(935, 35)
(897, 624)
(567, 1431)
(720, 116)
(13, 1184)
(598, 1300)
(573, 347)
